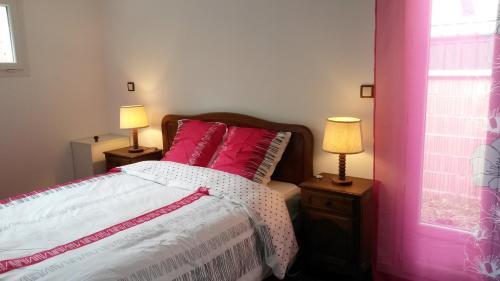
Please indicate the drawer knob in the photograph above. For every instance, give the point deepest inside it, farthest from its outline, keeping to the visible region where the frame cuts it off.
(310, 199)
(329, 204)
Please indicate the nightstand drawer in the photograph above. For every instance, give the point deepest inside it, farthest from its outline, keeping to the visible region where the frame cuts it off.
(122, 156)
(112, 162)
(329, 202)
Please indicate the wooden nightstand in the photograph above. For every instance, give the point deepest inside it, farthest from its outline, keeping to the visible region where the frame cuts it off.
(337, 225)
(121, 156)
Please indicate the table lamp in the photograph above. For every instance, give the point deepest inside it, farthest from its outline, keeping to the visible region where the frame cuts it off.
(133, 117)
(342, 136)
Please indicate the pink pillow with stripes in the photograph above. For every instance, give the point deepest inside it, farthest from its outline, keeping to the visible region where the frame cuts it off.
(251, 153)
(195, 142)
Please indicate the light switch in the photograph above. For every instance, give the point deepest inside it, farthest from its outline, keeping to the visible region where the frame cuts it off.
(367, 91)
(131, 86)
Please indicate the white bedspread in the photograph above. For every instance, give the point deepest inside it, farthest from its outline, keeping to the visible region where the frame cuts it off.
(151, 221)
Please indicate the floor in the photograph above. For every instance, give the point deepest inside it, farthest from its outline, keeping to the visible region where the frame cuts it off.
(304, 276)
(298, 273)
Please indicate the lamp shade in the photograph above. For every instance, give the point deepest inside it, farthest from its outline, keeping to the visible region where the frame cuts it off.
(133, 116)
(343, 135)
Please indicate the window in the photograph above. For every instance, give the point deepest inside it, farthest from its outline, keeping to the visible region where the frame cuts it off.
(459, 88)
(11, 45)
(6, 46)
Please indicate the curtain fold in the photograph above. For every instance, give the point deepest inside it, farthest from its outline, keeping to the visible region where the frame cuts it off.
(437, 152)
(400, 75)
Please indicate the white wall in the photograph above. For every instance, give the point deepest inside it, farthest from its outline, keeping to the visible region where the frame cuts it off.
(292, 61)
(61, 99)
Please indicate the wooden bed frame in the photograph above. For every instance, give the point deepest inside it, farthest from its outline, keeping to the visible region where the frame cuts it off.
(295, 165)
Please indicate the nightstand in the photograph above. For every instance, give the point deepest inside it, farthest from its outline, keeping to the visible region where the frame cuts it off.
(121, 156)
(88, 157)
(337, 225)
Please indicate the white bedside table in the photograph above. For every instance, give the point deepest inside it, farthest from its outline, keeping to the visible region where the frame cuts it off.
(88, 156)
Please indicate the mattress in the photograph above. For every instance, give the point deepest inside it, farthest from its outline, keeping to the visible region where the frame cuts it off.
(291, 194)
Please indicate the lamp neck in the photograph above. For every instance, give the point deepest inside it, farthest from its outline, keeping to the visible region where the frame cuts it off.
(135, 139)
(342, 166)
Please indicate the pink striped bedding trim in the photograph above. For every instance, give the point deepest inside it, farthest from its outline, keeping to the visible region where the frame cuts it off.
(259, 153)
(203, 143)
(41, 190)
(11, 264)
(180, 128)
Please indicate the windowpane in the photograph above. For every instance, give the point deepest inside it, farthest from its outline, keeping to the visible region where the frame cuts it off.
(459, 84)
(6, 50)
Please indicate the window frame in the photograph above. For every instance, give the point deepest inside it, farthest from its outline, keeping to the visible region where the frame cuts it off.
(14, 14)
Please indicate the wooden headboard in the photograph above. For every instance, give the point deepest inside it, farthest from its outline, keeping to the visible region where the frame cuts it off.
(295, 165)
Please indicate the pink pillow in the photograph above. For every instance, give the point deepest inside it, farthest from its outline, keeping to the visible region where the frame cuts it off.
(195, 142)
(251, 153)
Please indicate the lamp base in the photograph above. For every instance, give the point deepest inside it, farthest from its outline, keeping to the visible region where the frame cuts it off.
(135, 150)
(337, 181)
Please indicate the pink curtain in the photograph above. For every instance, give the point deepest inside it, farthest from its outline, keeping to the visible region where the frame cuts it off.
(437, 152)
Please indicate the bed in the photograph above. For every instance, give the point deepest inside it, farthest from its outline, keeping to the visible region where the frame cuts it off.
(157, 220)
(294, 167)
